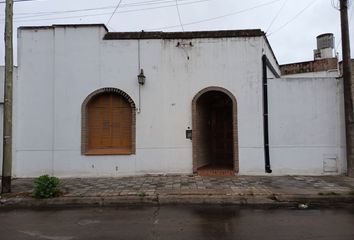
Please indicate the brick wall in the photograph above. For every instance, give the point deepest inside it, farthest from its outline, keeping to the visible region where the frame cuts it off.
(310, 66)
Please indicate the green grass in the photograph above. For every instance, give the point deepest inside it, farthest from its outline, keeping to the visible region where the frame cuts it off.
(351, 192)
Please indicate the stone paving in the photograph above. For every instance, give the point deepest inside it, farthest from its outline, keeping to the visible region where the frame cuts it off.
(152, 185)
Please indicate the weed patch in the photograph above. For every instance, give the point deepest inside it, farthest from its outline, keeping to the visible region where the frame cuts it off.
(328, 193)
(46, 187)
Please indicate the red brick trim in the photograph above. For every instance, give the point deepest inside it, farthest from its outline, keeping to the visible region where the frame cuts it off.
(309, 66)
(84, 130)
(195, 133)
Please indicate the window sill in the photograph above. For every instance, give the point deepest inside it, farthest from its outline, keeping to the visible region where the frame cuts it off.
(113, 151)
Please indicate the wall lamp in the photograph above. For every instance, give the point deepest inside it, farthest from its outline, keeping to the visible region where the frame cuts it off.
(141, 77)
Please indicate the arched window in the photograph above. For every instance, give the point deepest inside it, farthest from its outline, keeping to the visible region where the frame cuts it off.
(108, 123)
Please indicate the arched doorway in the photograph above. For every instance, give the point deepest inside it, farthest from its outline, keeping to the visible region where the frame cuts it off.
(215, 145)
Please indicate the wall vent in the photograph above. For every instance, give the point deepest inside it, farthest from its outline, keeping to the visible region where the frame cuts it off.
(330, 163)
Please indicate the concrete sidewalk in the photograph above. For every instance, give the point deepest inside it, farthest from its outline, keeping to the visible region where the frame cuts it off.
(182, 189)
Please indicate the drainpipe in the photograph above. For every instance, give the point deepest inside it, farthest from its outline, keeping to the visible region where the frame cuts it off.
(265, 115)
(265, 65)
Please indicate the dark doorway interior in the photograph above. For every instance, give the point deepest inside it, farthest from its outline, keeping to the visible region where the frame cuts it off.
(215, 138)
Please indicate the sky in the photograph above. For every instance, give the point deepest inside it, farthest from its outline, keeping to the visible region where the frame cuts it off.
(291, 25)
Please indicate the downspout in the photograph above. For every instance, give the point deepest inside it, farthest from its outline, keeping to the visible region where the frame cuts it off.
(266, 64)
(265, 115)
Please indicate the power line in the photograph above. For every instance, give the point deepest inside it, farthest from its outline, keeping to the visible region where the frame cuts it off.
(292, 19)
(120, 1)
(125, 5)
(179, 16)
(33, 18)
(218, 17)
(41, 14)
(150, 3)
(99, 8)
(276, 15)
(20, 1)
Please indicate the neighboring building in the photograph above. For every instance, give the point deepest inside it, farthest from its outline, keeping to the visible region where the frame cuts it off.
(325, 63)
(341, 67)
(352, 60)
(79, 109)
(2, 76)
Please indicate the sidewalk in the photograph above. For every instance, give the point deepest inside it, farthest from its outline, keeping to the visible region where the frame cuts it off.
(288, 191)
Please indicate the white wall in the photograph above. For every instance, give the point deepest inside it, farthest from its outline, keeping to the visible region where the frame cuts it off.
(59, 67)
(306, 125)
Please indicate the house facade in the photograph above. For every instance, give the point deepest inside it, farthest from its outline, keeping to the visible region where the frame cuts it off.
(209, 101)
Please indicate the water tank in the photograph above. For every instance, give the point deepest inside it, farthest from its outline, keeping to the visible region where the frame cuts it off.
(325, 41)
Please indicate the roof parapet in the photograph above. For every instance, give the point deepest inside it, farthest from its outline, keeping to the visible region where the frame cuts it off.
(184, 35)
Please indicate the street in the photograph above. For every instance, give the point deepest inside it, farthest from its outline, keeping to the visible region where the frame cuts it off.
(176, 222)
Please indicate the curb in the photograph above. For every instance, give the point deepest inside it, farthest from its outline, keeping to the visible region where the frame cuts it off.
(319, 201)
(260, 201)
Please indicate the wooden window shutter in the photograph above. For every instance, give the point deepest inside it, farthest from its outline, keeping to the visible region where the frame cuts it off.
(109, 125)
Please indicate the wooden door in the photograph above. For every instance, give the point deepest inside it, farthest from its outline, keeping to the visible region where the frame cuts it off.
(109, 118)
(221, 132)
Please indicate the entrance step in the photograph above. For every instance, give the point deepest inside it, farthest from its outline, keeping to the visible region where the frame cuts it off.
(215, 172)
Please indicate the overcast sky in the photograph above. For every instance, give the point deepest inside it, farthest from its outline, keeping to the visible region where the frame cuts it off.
(291, 25)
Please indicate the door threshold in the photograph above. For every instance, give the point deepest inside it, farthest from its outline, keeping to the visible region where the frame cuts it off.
(216, 171)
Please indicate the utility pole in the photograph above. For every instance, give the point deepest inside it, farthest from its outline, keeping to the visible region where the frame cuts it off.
(348, 87)
(7, 140)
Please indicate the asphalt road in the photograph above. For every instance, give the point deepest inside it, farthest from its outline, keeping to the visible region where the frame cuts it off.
(176, 222)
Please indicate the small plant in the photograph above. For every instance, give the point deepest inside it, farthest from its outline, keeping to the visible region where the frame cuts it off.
(141, 194)
(46, 187)
(328, 193)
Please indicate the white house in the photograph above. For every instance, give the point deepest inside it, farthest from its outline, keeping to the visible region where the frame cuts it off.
(212, 102)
